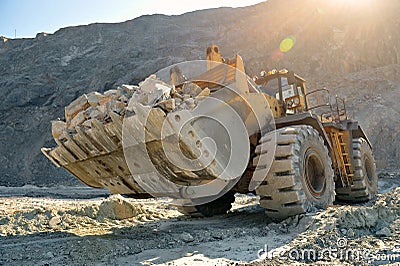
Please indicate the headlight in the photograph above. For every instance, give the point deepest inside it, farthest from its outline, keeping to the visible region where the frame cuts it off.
(296, 101)
(290, 102)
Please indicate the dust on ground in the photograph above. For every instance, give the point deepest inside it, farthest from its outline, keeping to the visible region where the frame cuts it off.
(59, 229)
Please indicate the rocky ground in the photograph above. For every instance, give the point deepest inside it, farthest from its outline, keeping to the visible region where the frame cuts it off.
(64, 225)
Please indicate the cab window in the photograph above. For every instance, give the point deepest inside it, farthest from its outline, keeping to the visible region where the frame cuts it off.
(271, 87)
(287, 90)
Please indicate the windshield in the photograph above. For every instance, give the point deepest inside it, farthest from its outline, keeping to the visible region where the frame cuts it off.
(271, 87)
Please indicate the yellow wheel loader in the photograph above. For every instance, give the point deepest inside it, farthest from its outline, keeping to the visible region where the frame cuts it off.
(272, 138)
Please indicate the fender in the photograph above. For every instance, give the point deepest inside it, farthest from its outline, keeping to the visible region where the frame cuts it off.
(304, 119)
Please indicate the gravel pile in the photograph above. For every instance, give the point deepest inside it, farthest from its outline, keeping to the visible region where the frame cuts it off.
(365, 235)
(22, 216)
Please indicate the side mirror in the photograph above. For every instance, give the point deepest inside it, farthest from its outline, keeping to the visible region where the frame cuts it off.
(291, 78)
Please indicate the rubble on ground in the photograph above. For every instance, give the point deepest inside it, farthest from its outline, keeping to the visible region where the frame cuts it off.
(22, 216)
(117, 230)
(357, 234)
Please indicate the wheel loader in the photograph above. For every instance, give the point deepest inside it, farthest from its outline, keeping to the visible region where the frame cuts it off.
(312, 155)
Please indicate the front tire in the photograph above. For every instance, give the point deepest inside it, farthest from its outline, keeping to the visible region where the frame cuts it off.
(301, 176)
(216, 207)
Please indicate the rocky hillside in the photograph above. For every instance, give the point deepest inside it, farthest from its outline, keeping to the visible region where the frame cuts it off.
(350, 48)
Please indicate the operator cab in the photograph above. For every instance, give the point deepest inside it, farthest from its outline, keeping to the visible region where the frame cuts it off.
(286, 86)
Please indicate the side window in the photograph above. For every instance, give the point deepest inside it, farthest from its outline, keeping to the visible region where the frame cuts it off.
(271, 87)
(287, 90)
(300, 90)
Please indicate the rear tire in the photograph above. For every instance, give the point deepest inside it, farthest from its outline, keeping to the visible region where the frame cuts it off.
(216, 207)
(365, 180)
(301, 176)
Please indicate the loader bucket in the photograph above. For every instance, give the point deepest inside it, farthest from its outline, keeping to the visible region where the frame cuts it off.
(152, 150)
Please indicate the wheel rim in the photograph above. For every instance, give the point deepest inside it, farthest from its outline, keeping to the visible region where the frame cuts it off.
(314, 173)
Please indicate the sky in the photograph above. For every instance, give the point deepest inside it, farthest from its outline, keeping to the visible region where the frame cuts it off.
(26, 18)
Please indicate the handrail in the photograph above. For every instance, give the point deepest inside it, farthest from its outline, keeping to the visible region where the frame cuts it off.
(321, 105)
(344, 106)
(318, 106)
(332, 113)
(317, 90)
